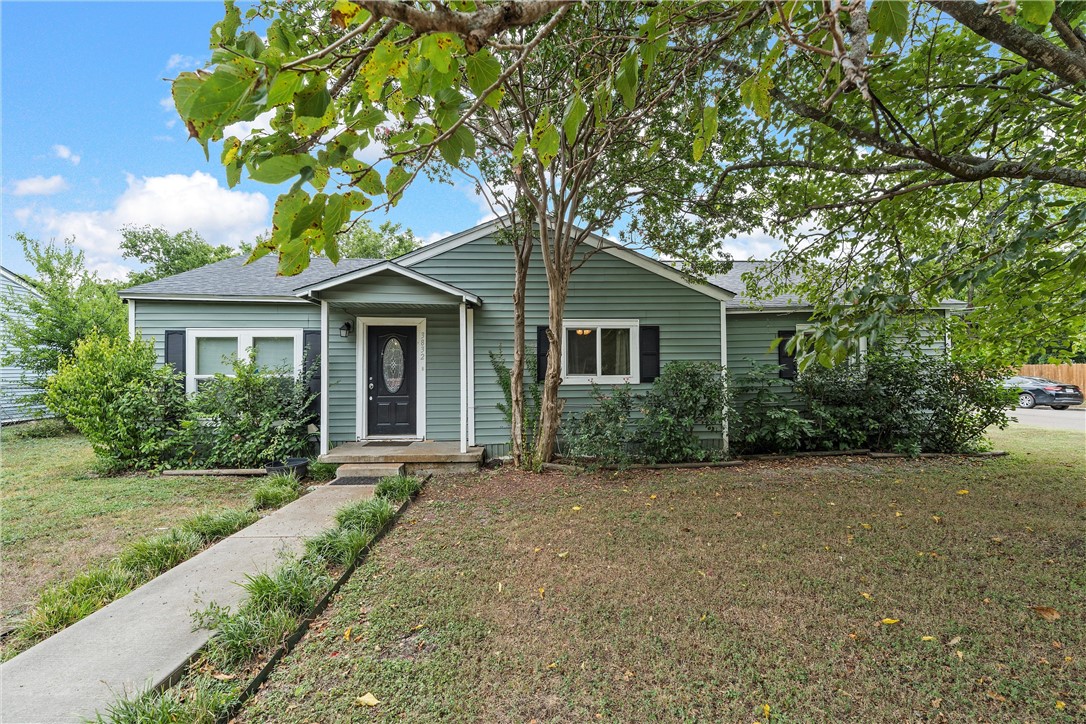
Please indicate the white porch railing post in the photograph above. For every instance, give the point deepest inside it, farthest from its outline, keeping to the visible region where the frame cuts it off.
(463, 377)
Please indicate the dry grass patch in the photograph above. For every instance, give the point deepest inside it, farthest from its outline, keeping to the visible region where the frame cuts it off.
(59, 518)
(708, 595)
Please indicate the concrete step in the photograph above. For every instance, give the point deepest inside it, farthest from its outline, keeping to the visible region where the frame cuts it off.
(366, 473)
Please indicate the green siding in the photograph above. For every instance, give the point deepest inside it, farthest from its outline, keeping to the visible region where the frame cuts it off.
(750, 337)
(154, 318)
(388, 288)
(605, 287)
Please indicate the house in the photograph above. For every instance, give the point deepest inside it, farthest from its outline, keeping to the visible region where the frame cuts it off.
(404, 346)
(14, 390)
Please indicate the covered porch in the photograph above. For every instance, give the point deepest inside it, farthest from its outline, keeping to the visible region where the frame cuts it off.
(397, 365)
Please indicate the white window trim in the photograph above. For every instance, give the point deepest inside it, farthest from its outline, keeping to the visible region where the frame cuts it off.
(633, 325)
(245, 343)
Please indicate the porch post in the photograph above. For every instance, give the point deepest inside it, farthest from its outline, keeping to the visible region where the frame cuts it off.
(324, 377)
(471, 377)
(724, 364)
(463, 376)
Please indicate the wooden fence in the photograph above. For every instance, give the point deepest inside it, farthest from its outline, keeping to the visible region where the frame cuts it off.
(1070, 374)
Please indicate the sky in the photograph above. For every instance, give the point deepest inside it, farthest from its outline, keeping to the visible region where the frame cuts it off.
(91, 141)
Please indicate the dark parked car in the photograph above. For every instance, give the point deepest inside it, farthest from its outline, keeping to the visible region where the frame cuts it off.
(1033, 391)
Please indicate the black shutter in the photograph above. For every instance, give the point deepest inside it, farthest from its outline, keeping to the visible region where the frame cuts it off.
(542, 349)
(649, 342)
(784, 359)
(311, 351)
(175, 349)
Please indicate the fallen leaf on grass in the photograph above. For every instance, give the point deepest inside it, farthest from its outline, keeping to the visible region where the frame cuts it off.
(936, 703)
(223, 677)
(738, 514)
(890, 621)
(576, 507)
(865, 526)
(1046, 612)
(541, 592)
(563, 554)
(367, 699)
(994, 695)
(898, 514)
(552, 665)
(1061, 705)
(963, 492)
(927, 638)
(866, 595)
(960, 655)
(347, 634)
(954, 641)
(652, 497)
(937, 518)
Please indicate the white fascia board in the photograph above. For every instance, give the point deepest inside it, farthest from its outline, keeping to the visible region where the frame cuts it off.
(209, 298)
(396, 269)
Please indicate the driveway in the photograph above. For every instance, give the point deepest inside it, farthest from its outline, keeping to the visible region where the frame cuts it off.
(1070, 419)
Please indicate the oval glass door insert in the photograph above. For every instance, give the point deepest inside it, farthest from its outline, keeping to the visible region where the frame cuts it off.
(392, 365)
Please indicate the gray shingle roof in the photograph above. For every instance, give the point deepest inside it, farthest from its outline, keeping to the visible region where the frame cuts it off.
(733, 281)
(234, 278)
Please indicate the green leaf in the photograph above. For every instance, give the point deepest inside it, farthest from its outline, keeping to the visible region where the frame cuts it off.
(575, 113)
(224, 31)
(438, 49)
(293, 257)
(277, 169)
(369, 181)
(313, 109)
(545, 139)
(309, 217)
(287, 207)
(395, 181)
(626, 79)
(1038, 12)
(356, 201)
(283, 87)
(754, 92)
(518, 147)
(336, 213)
(482, 71)
(386, 61)
(699, 148)
(709, 124)
(889, 18)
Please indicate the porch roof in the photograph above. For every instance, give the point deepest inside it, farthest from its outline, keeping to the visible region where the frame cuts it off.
(400, 287)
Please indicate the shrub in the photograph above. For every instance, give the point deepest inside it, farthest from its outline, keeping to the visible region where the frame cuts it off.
(368, 516)
(687, 396)
(111, 391)
(337, 546)
(148, 558)
(216, 526)
(397, 488)
(761, 420)
(251, 418)
(276, 491)
(603, 432)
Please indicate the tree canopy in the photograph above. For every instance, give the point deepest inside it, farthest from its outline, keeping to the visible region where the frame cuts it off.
(906, 151)
(388, 241)
(166, 254)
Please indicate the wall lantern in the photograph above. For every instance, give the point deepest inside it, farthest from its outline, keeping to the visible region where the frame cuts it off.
(345, 330)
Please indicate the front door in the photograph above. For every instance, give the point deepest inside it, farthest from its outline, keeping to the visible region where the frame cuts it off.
(390, 382)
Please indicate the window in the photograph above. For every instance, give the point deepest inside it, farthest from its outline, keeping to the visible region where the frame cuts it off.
(600, 351)
(213, 351)
(787, 360)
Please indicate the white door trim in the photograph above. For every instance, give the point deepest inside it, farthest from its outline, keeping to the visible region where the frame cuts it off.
(362, 362)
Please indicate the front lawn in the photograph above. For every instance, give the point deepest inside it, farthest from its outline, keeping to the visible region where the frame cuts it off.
(59, 518)
(839, 589)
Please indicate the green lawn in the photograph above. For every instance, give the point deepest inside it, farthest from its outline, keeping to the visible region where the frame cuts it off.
(58, 517)
(709, 595)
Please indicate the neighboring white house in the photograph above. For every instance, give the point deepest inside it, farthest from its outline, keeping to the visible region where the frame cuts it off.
(13, 388)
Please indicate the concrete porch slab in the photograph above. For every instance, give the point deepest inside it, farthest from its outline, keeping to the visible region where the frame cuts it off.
(144, 638)
(426, 451)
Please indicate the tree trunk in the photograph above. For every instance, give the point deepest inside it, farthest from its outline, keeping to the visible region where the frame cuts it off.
(550, 413)
(516, 373)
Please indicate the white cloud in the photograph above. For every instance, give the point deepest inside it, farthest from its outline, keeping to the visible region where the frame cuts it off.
(435, 236)
(166, 103)
(244, 129)
(175, 202)
(62, 151)
(23, 215)
(757, 244)
(486, 199)
(177, 61)
(39, 186)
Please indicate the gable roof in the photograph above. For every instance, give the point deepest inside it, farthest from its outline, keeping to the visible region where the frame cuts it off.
(388, 266)
(779, 302)
(234, 280)
(19, 280)
(604, 245)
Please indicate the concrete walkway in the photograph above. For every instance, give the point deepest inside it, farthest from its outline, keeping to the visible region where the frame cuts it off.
(142, 639)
